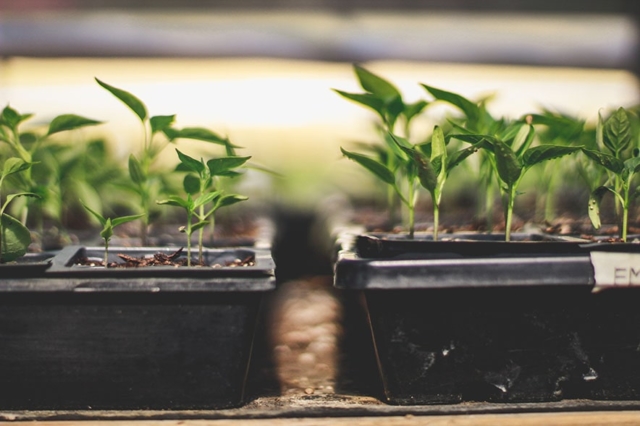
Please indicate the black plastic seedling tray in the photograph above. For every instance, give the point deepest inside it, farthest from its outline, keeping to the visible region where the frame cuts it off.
(491, 321)
(29, 265)
(164, 338)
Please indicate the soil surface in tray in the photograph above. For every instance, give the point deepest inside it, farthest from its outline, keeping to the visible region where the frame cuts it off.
(162, 259)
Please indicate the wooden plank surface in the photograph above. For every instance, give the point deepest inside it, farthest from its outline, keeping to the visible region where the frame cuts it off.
(524, 419)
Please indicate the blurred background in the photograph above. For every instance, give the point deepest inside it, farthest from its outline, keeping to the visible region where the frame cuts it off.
(261, 72)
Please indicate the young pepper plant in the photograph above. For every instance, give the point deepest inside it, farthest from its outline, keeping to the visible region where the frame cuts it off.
(107, 228)
(10, 133)
(146, 182)
(512, 159)
(433, 165)
(557, 129)
(426, 164)
(384, 98)
(476, 120)
(14, 236)
(200, 189)
(622, 163)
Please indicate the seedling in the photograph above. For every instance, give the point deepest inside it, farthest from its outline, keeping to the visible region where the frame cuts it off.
(426, 164)
(199, 183)
(14, 236)
(622, 162)
(10, 122)
(557, 129)
(387, 102)
(512, 158)
(477, 120)
(145, 181)
(385, 99)
(107, 228)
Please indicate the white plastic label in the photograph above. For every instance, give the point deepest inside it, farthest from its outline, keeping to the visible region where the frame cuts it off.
(615, 269)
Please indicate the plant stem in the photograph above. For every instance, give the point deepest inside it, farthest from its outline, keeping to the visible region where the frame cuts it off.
(625, 213)
(436, 219)
(391, 205)
(550, 205)
(488, 205)
(411, 205)
(106, 253)
(511, 195)
(200, 237)
(188, 232)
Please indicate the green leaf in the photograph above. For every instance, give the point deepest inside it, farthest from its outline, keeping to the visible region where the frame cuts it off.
(470, 109)
(19, 194)
(10, 117)
(375, 84)
(14, 165)
(393, 143)
(438, 146)
(15, 238)
(459, 156)
(101, 219)
(220, 166)
(199, 225)
(161, 122)
(191, 163)
(229, 199)
(107, 230)
(176, 201)
(412, 110)
(205, 199)
(401, 142)
(135, 104)
(595, 198)
(632, 165)
(600, 131)
(483, 141)
(379, 170)
(542, 153)
(367, 99)
(196, 133)
(135, 171)
(69, 122)
(426, 174)
(617, 131)
(191, 184)
(523, 139)
(607, 161)
(508, 166)
(124, 219)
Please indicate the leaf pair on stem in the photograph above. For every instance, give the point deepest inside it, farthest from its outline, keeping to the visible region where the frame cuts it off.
(621, 162)
(199, 185)
(426, 164)
(512, 158)
(145, 182)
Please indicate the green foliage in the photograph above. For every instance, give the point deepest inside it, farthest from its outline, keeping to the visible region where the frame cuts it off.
(384, 98)
(146, 180)
(201, 189)
(616, 152)
(14, 236)
(513, 157)
(391, 161)
(476, 120)
(107, 228)
(31, 149)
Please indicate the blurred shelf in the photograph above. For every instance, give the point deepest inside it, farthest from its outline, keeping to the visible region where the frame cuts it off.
(552, 39)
